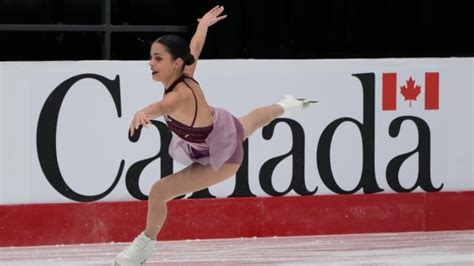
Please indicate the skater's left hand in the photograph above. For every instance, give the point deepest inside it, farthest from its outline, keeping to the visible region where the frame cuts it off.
(140, 118)
(213, 16)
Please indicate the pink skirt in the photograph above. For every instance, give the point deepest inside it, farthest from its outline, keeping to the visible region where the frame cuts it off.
(223, 145)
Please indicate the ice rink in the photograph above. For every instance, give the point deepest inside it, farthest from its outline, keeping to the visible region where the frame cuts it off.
(417, 248)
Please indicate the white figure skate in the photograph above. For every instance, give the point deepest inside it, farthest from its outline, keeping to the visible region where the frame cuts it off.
(137, 252)
(292, 105)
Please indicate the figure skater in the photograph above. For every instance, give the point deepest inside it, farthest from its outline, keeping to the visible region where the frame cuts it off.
(207, 139)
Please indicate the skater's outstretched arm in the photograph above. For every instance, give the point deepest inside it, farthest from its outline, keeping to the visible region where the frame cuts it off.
(169, 104)
(197, 42)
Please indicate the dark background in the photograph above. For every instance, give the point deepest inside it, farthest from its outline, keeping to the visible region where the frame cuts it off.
(278, 29)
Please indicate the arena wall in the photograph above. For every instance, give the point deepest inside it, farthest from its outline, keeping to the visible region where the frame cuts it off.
(388, 148)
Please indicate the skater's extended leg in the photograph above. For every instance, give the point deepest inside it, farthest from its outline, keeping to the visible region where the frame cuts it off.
(262, 116)
(259, 117)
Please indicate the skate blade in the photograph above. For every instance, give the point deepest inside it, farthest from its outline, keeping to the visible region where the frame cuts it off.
(306, 100)
(116, 264)
(306, 103)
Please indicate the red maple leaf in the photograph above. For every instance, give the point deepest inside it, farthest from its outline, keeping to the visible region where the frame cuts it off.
(411, 90)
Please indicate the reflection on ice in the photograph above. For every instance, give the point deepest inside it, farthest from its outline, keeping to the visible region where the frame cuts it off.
(440, 248)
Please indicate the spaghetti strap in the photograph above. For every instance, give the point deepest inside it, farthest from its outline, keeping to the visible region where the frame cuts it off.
(182, 79)
(195, 103)
(189, 133)
(188, 77)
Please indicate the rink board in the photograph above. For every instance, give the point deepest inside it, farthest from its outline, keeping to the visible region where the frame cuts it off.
(48, 224)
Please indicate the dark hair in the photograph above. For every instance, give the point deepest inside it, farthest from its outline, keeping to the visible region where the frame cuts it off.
(178, 47)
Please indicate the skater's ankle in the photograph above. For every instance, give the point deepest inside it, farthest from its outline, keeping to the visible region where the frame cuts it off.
(148, 235)
(278, 110)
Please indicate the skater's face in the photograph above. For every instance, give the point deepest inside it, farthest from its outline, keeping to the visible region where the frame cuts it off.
(162, 64)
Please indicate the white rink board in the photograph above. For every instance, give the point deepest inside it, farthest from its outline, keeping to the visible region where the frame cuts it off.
(420, 248)
(92, 140)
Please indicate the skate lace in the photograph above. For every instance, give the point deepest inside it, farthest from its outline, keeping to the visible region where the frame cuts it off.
(138, 245)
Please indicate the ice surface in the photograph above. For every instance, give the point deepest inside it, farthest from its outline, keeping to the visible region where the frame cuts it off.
(417, 248)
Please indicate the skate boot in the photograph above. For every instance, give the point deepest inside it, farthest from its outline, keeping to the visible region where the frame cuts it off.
(292, 105)
(137, 252)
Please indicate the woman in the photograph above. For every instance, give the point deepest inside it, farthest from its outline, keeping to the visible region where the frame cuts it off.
(207, 139)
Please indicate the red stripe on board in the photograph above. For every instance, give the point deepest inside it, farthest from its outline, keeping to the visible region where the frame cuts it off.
(432, 91)
(47, 224)
(389, 91)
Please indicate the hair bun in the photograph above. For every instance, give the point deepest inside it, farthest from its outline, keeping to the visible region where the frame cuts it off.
(190, 60)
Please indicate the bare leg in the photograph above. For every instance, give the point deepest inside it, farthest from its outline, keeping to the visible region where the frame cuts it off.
(193, 178)
(259, 117)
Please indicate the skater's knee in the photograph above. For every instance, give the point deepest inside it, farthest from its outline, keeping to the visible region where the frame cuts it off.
(161, 191)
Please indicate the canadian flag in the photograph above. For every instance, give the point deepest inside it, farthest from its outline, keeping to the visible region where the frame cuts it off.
(410, 91)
